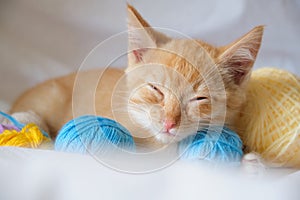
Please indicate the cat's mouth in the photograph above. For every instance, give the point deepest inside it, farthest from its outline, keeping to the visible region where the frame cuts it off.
(166, 136)
(169, 133)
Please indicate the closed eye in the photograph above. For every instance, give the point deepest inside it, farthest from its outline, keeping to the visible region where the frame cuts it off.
(153, 87)
(199, 98)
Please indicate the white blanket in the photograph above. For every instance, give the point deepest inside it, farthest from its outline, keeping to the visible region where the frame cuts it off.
(39, 174)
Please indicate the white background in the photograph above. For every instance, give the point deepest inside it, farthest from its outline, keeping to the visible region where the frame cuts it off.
(43, 39)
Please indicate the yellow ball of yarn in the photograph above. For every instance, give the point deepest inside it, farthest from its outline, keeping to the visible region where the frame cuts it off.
(30, 136)
(271, 118)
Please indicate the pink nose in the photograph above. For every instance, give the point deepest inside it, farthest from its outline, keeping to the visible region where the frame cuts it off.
(169, 124)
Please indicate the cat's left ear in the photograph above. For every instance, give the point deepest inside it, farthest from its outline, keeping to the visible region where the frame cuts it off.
(141, 36)
(237, 59)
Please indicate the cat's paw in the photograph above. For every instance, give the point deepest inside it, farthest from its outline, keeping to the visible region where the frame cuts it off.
(252, 164)
(28, 117)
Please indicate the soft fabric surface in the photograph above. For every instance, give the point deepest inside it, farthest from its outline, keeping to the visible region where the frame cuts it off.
(43, 39)
(39, 174)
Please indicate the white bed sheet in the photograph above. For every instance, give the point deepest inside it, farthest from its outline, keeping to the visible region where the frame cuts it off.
(43, 39)
(40, 174)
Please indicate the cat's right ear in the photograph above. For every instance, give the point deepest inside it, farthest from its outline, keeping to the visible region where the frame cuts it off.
(141, 36)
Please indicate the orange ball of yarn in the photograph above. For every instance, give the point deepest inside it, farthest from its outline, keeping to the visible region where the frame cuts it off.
(270, 121)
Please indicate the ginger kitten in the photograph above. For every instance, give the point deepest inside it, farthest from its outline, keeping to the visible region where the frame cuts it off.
(170, 89)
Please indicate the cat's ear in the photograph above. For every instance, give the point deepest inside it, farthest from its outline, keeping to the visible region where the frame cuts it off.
(236, 59)
(141, 36)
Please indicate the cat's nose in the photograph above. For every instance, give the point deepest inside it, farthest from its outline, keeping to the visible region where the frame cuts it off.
(168, 125)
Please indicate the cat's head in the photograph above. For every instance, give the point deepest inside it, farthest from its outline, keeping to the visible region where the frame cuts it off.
(179, 86)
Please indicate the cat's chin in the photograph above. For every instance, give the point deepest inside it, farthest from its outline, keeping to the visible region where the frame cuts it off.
(166, 138)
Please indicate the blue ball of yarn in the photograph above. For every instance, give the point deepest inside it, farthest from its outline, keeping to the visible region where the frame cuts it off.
(218, 144)
(93, 134)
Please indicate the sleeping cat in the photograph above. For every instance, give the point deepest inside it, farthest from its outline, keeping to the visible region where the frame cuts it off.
(170, 89)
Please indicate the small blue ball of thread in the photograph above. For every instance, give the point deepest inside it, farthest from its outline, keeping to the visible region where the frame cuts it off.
(93, 134)
(218, 145)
